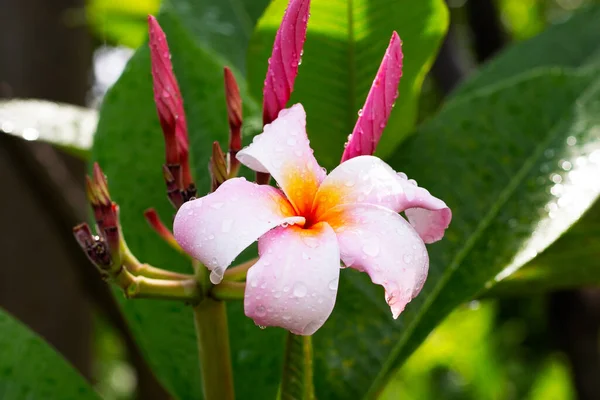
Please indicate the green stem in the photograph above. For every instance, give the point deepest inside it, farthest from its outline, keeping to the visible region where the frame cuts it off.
(210, 317)
(228, 291)
(142, 287)
(297, 377)
(139, 269)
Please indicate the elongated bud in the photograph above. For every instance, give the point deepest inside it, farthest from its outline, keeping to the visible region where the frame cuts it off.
(217, 167)
(374, 115)
(284, 61)
(234, 115)
(169, 106)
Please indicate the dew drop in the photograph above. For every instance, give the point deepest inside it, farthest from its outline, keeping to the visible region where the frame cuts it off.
(333, 284)
(261, 311)
(371, 248)
(286, 317)
(407, 258)
(216, 276)
(299, 289)
(217, 206)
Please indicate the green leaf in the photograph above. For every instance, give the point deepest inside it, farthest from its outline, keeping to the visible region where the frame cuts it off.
(572, 43)
(68, 127)
(567, 262)
(345, 43)
(129, 147)
(31, 369)
(121, 22)
(225, 27)
(493, 163)
(572, 261)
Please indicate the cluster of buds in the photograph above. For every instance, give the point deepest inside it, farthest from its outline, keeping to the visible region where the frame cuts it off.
(107, 249)
(171, 114)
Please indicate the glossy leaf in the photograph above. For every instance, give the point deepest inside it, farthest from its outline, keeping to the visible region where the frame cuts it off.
(223, 27)
(345, 43)
(31, 369)
(572, 261)
(66, 126)
(493, 164)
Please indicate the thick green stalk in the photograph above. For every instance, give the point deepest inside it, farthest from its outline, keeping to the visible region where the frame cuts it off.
(297, 377)
(210, 317)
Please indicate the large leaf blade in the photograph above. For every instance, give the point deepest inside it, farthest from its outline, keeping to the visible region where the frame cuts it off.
(31, 369)
(346, 41)
(498, 160)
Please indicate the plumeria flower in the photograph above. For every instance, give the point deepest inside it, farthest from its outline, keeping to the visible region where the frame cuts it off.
(305, 228)
(315, 222)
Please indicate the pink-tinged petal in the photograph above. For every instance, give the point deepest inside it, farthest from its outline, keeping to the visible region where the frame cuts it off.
(284, 61)
(378, 106)
(283, 150)
(294, 283)
(383, 244)
(369, 180)
(216, 228)
(169, 102)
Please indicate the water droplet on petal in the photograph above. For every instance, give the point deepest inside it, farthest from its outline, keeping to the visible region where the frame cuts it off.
(261, 311)
(407, 258)
(299, 289)
(216, 276)
(333, 284)
(217, 206)
(371, 248)
(360, 112)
